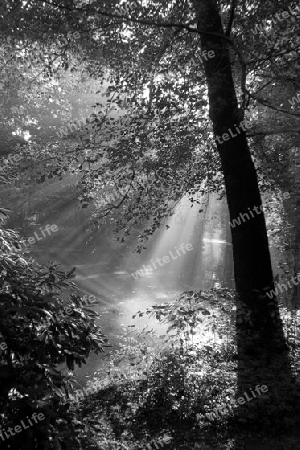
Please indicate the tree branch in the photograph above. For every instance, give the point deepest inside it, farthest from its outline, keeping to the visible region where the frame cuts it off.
(272, 132)
(142, 21)
(268, 105)
(231, 17)
(110, 206)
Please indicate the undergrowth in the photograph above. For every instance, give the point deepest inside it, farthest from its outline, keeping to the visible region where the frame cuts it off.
(167, 386)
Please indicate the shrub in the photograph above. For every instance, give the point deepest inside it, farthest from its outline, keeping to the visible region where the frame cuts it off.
(38, 338)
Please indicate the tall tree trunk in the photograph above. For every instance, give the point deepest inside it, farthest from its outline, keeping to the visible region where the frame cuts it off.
(262, 352)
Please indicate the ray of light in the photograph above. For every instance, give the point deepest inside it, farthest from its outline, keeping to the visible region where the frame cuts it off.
(184, 227)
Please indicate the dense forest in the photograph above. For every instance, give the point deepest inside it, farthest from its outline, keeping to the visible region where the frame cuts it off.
(149, 224)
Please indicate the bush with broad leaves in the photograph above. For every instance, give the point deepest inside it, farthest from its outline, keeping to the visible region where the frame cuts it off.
(43, 326)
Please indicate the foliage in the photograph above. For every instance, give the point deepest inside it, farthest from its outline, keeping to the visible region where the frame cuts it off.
(39, 338)
(174, 386)
(147, 126)
(195, 337)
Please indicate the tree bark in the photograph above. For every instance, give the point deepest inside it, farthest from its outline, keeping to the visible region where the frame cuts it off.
(262, 352)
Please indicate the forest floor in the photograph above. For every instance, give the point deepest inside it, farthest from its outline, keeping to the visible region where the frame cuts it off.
(170, 400)
(107, 422)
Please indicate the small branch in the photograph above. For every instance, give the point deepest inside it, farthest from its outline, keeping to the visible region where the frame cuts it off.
(271, 55)
(231, 17)
(268, 105)
(265, 85)
(110, 206)
(272, 132)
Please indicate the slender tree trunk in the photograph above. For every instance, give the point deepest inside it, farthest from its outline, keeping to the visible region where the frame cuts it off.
(295, 301)
(262, 352)
(292, 207)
